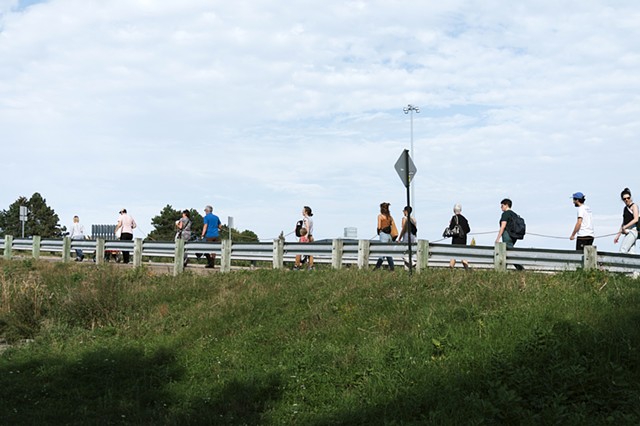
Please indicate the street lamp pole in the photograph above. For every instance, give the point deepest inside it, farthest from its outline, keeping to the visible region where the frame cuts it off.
(411, 109)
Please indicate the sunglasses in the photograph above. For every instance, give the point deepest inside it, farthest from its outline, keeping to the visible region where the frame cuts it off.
(626, 198)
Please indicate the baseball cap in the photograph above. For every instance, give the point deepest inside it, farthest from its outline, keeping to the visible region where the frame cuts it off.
(578, 195)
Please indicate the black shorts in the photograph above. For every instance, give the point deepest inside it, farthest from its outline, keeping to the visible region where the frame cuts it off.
(581, 242)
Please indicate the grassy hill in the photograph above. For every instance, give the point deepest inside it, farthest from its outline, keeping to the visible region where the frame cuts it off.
(108, 346)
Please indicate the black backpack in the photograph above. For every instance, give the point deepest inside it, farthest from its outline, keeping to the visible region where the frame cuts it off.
(299, 226)
(517, 227)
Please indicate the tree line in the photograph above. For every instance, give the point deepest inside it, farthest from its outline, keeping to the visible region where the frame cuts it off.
(42, 220)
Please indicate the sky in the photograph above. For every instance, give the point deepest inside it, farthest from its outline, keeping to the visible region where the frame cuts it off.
(261, 108)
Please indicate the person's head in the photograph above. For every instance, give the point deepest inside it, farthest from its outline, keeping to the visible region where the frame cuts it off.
(303, 232)
(457, 208)
(506, 204)
(306, 210)
(208, 209)
(123, 211)
(626, 196)
(186, 213)
(384, 208)
(578, 199)
(407, 210)
(76, 219)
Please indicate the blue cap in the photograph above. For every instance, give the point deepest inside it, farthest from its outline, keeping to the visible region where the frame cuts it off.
(578, 195)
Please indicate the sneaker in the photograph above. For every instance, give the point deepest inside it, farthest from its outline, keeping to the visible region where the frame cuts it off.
(209, 266)
(295, 268)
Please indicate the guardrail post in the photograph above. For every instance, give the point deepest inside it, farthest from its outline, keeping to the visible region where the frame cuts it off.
(66, 249)
(500, 257)
(278, 253)
(364, 249)
(35, 248)
(8, 242)
(337, 249)
(178, 257)
(225, 262)
(100, 243)
(590, 258)
(137, 253)
(422, 261)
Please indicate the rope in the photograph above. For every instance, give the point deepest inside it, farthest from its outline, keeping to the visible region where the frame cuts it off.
(492, 232)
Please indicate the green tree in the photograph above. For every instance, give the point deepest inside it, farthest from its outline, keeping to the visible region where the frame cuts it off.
(42, 220)
(245, 236)
(165, 223)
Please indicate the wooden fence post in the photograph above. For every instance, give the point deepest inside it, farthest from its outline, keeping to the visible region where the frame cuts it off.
(590, 258)
(100, 243)
(422, 261)
(500, 257)
(8, 243)
(66, 249)
(137, 253)
(225, 261)
(364, 249)
(278, 253)
(178, 257)
(337, 250)
(35, 248)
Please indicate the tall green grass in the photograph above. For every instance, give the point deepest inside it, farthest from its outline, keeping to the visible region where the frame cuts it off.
(113, 346)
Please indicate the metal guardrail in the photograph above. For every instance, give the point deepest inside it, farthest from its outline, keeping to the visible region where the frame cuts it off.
(338, 253)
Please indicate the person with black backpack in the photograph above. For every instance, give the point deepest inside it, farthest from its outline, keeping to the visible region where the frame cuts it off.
(512, 227)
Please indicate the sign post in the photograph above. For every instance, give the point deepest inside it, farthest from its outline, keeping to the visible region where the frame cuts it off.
(24, 211)
(407, 170)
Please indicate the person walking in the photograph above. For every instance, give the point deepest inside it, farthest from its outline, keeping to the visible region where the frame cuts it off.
(386, 231)
(409, 228)
(506, 220)
(461, 238)
(583, 228)
(77, 233)
(126, 225)
(629, 223)
(307, 223)
(184, 231)
(211, 233)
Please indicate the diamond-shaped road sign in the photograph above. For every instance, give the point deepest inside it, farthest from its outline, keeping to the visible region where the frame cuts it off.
(401, 168)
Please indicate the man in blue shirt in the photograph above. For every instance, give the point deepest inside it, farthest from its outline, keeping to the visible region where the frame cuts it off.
(211, 232)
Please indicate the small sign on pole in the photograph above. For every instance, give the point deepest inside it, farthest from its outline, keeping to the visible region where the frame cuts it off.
(407, 170)
(24, 212)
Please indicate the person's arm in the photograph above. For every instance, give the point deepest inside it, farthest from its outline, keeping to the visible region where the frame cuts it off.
(503, 226)
(576, 229)
(379, 224)
(118, 226)
(204, 229)
(404, 228)
(615, 240)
